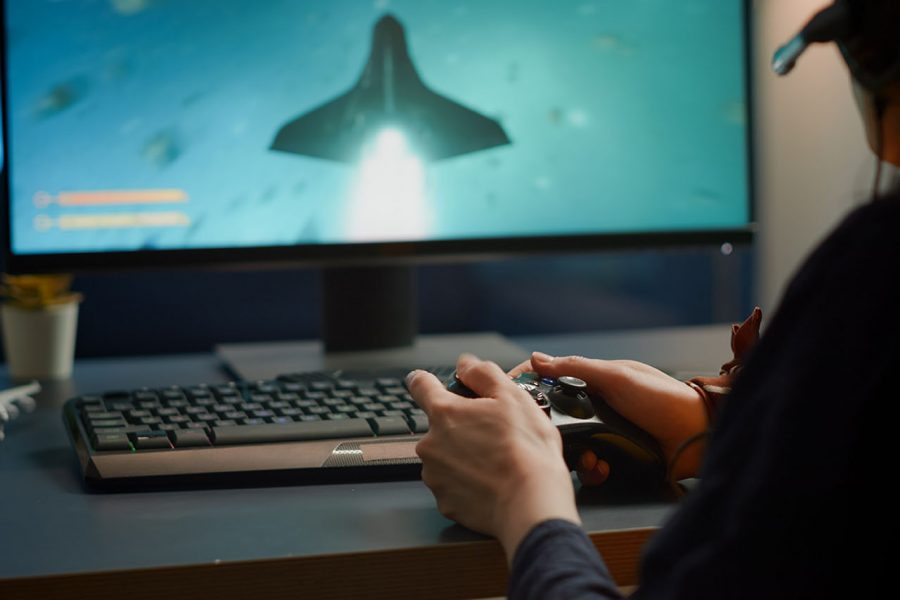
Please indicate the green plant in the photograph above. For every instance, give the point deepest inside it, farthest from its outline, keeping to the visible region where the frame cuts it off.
(34, 292)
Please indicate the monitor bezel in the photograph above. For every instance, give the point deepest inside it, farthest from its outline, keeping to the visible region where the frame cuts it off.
(378, 253)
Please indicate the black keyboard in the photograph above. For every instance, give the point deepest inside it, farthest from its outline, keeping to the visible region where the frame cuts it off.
(298, 428)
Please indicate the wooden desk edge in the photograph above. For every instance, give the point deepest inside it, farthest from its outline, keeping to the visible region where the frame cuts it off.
(452, 570)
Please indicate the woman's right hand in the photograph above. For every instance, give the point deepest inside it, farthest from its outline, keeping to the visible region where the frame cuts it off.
(666, 408)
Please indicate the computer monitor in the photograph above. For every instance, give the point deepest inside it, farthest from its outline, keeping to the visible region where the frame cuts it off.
(366, 136)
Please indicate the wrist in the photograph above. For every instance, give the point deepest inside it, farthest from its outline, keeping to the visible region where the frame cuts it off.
(540, 498)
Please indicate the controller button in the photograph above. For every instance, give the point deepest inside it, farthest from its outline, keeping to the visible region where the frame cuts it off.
(572, 385)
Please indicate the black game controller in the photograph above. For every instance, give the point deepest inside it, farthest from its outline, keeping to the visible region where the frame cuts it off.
(587, 422)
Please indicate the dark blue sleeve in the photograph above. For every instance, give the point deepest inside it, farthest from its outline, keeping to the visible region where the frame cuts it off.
(557, 560)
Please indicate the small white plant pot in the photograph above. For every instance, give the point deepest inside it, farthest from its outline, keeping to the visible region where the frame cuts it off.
(39, 343)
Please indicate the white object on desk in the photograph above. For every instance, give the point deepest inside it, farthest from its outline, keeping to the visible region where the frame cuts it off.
(39, 343)
(15, 401)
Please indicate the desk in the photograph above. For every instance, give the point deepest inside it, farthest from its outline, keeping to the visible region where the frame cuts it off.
(366, 540)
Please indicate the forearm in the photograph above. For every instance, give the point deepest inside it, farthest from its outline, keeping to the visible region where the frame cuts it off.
(556, 559)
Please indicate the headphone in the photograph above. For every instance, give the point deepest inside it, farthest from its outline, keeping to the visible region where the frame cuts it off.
(839, 23)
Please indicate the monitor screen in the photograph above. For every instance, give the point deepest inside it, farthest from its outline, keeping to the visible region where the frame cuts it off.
(312, 128)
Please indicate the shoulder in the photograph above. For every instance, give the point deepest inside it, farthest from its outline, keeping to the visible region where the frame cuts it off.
(861, 253)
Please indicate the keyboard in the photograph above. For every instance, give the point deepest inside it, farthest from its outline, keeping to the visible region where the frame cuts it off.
(327, 426)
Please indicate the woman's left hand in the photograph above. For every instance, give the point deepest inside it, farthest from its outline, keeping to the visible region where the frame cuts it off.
(494, 463)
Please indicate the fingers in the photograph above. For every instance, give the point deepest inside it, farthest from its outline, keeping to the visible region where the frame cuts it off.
(426, 390)
(523, 367)
(593, 371)
(591, 470)
(483, 377)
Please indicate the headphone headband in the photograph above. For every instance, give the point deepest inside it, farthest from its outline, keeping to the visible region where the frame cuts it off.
(839, 23)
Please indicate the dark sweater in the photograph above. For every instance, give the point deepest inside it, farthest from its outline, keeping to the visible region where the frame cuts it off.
(794, 493)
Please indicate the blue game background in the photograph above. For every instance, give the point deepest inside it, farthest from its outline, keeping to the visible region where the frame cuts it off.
(625, 116)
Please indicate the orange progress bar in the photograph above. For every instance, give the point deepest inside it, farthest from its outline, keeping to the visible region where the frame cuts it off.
(107, 197)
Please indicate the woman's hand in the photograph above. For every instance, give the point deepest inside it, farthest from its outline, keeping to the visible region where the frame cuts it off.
(494, 463)
(668, 409)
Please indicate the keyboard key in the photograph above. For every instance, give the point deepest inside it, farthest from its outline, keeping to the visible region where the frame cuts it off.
(100, 423)
(126, 429)
(390, 425)
(111, 441)
(104, 415)
(418, 423)
(265, 387)
(291, 432)
(149, 440)
(188, 438)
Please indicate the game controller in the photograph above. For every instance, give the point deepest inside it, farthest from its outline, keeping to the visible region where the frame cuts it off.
(586, 422)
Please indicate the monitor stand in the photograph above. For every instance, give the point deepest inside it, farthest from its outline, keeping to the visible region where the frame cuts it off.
(369, 321)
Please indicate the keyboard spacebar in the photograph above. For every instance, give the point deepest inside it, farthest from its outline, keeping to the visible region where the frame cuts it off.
(290, 432)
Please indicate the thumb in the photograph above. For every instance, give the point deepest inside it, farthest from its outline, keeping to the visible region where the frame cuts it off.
(574, 366)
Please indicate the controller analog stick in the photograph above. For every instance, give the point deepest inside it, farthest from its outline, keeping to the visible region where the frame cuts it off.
(570, 397)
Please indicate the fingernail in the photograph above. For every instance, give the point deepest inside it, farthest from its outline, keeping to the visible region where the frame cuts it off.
(411, 375)
(541, 357)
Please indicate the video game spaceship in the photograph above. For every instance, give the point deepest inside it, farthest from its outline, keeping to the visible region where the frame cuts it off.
(389, 94)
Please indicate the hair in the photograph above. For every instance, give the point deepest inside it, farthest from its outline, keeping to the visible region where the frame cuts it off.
(872, 48)
(872, 51)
